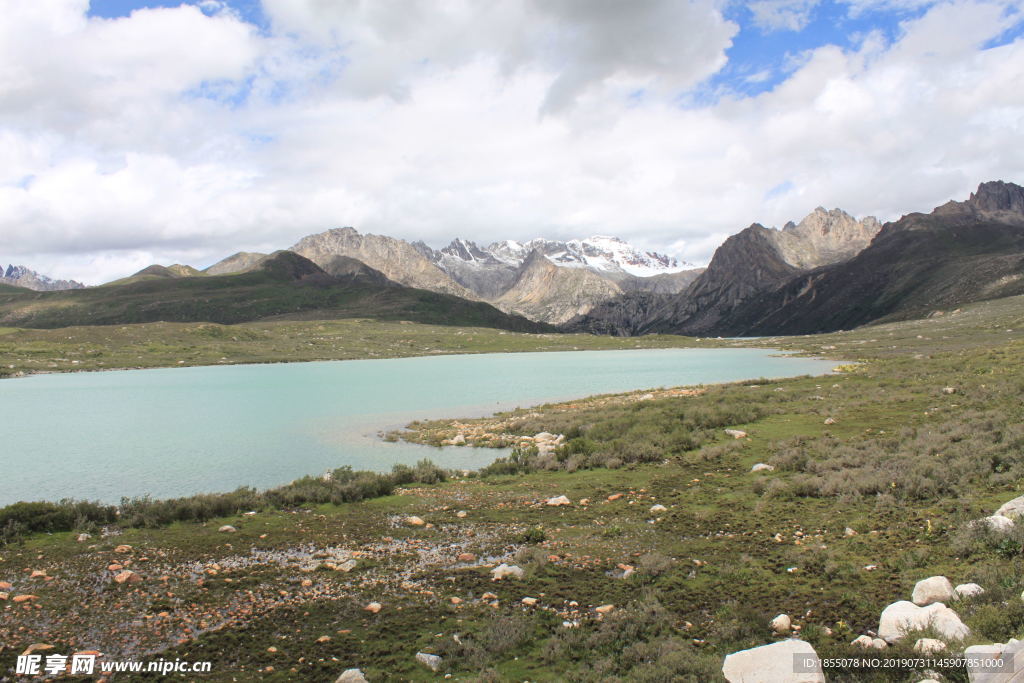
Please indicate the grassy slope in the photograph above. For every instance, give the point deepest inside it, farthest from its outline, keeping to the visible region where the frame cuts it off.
(256, 295)
(711, 573)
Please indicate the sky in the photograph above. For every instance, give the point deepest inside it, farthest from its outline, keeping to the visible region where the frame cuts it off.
(138, 132)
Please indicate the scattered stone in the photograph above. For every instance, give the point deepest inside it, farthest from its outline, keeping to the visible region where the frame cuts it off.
(830, 420)
(773, 664)
(529, 602)
(461, 514)
(558, 500)
(38, 574)
(736, 433)
(781, 624)
(351, 676)
(614, 497)
(374, 607)
(903, 616)
(929, 646)
(3, 596)
(413, 520)
(604, 609)
(127, 576)
(848, 532)
(762, 467)
(488, 596)
(227, 529)
(36, 647)
(504, 571)
(432, 662)
(455, 600)
(346, 566)
(865, 642)
(932, 589)
(82, 538)
(4, 586)
(466, 557)
(459, 440)
(949, 390)
(24, 598)
(123, 549)
(879, 644)
(658, 508)
(967, 590)
(323, 639)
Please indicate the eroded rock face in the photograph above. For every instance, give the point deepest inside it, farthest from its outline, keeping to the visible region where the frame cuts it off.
(825, 237)
(773, 664)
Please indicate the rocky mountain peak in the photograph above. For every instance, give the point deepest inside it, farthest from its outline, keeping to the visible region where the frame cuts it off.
(823, 237)
(997, 195)
(22, 276)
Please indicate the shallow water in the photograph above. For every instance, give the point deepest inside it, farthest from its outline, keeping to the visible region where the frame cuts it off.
(180, 431)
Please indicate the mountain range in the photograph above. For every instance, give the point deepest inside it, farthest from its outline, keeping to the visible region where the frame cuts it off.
(828, 271)
(20, 276)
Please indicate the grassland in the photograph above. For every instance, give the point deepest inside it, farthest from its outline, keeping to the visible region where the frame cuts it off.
(149, 345)
(904, 463)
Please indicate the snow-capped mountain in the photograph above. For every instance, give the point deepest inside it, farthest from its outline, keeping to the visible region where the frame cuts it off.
(20, 276)
(606, 255)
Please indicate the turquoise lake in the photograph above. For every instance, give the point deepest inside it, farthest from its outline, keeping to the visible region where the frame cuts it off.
(179, 431)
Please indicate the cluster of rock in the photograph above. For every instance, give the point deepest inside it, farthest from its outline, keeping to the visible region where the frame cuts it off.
(1002, 520)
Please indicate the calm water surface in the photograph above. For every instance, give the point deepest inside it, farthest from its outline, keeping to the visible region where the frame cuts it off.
(179, 431)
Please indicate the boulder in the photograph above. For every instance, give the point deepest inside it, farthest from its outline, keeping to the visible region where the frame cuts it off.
(865, 642)
(903, 616)
(227, 529)
(466, 557)
(762, 467)
(413, 520)
(127, 576)
(5, 586)
(504, 571)
(1013, 508)
(351, 676)
(1009, 667)
(374, 607)
(879, 644)
(830, 420)
(432, 662)
(82, 538)
(736, 433)
(658, 508)
(774, 664)
(558, 500)
(461, 514)
(604, 609)
(123, 549)
(781, 624)
(929, 646)
(967, 590)
(949, 390)
(529, 602)
(997, 523)
(932, 589)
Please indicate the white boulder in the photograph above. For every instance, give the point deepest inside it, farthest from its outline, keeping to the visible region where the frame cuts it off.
(998, 523)
(775, 663)
(504, 571)
(351, 676)
(432, 662)
(929, 646)
(932, 589)
(227, 529)
(558, 500)
(736, 433)
(1008, 666)
(781, 624)
(1013, 508)
(865, 642)
(658, 508)
(968, 590)
(762, 467)
(903, 616)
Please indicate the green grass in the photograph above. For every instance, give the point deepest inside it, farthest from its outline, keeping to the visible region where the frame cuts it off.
(709, 575)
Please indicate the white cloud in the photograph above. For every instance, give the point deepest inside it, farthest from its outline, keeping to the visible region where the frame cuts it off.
(427, 126)
(777, 15)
